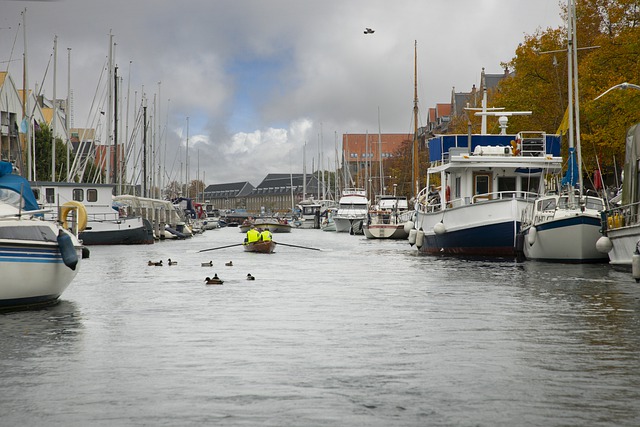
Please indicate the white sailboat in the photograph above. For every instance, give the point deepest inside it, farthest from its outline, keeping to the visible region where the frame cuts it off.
(564, 226)
(387, 218)
(38, 258)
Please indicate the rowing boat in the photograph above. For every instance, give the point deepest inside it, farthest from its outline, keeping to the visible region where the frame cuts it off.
(262, 247)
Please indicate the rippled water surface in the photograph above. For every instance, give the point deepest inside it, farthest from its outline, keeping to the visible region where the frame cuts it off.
(362, 333)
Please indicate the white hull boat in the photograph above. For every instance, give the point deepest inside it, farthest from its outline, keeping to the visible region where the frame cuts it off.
(38, 258)
(621, 224)
(562, 228)
(352, 211)
(483, 191)
(91, 208)
(388, 218)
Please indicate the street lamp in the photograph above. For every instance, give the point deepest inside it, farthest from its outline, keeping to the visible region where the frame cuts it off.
(624, 85)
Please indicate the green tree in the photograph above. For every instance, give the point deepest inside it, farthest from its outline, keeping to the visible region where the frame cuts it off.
(609, 38)
(43, 156)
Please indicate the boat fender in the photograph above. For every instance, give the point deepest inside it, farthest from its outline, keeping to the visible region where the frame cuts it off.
(408, 226)
(520, 257)
(68, 252)
(635, 264)
(604, 245)
(412, 236)
(81, 213)
(419, 239)
(531, 236)
(439, 228)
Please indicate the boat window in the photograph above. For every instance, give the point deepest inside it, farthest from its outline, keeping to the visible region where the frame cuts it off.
(36, 193)
(39, 233)
(50, 194)
(458, 188)
(482, 184)
(531, 183)
(78, 195)
(506, 183)
(92, 195)
(563, 202)
(593, 203)
(10, 197)
(547, 204)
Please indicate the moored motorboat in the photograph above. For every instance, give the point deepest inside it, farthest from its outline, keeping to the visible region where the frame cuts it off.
(486, 182)
(38, 258)
(103, 221)
(260, 246)
(352, 211)
(275, 225)
(621, 223)
(312, 211)
(387, 219)
(327, 223)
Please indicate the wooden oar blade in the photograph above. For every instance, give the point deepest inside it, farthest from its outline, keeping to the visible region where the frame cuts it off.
(221, 247)
(296, 246)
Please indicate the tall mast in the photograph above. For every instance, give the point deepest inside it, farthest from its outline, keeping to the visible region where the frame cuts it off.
(116, 179)
(67, 116)
(416, 172)
(304, 171)
(186, 161)
(55, 109)
(574, 54)
(107, 147)
(380, 155)
(144, 146)
(26, 111)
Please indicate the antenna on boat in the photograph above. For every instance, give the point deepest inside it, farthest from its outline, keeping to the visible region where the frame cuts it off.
(503, 117)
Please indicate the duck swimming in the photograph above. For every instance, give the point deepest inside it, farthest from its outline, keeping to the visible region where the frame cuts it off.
(207, 264)
(229, 264)
(153, 263)
(172, 262)
(213, 281)
(250, 277)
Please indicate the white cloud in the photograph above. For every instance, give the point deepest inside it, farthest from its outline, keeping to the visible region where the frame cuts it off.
(322, 75)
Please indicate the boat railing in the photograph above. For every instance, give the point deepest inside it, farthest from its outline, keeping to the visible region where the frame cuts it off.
(502, 195)
(620, 216)
(99, 217)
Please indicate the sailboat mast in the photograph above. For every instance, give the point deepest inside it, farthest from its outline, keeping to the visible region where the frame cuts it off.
(55, 110)
(144, 146)
(107, 146)
(380, 155)
(115, 130)
(186, 161)
(67, 116)
(416, 172)
(304, 171)
(26, 111)
(574, 54)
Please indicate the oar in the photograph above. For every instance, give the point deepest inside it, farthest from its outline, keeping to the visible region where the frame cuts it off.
(221, 247)
(296, 246)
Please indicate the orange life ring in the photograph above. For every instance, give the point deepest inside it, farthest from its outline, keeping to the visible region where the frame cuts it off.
(448, 193)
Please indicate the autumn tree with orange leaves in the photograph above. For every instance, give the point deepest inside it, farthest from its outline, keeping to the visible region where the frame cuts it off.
(608, 38)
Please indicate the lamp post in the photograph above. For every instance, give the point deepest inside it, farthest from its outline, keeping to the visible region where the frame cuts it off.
(624, 85)
(630, 193)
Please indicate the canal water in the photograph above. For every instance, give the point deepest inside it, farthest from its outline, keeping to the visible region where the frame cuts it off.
(361, 333)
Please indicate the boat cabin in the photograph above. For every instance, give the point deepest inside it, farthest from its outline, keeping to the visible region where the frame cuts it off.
(468, 169)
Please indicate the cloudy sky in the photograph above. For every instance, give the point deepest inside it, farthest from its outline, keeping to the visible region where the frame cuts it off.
(259, 79)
